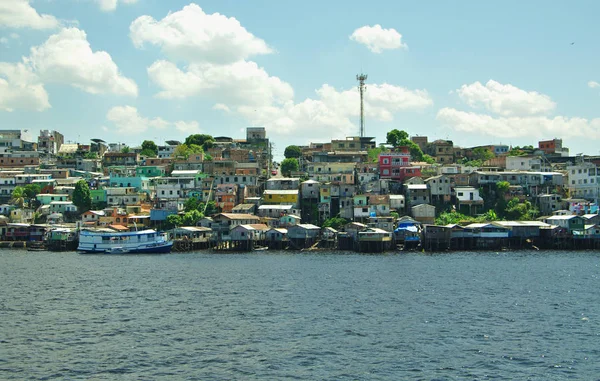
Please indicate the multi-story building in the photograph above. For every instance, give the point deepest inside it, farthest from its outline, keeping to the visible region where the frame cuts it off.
(583, 181)
(50, 141)
(550, 203)
(553, 147)
(17, 140)
(167, 150)
(396, 165)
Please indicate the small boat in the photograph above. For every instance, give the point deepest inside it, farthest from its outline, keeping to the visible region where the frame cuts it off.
(137, 242)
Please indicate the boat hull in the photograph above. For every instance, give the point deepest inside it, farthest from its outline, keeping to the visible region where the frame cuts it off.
(158, 249)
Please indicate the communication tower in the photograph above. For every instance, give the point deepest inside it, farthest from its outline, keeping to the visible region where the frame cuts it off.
(361, 78)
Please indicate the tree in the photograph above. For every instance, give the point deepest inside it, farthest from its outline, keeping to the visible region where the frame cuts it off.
(184, 150)
(335, 222)
(149, 148)
(82, 197)
(289, 165)
(203, 140)
(482, 154)
(292, 151)
(191, 217)
(18, 196)
(31, 190)
(174, 220)
(125, 149)
(395, 137)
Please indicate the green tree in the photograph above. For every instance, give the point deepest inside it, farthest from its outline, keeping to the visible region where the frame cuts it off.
(90, 155)
(335, 222)
(191, 217)
(203, 140)
(292, 152)
(482, 154)
(31, 190)
(209, 208)
(190, 204)
(18, 196)
(184, 150)
(395, 137)
(174, 220)
(288, 166)
(82, 197)
(125, 149)
(149, 148)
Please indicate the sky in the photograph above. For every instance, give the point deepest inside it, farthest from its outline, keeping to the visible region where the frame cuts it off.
(493, 72)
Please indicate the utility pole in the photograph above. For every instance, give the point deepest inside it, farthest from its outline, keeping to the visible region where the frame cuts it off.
(361, 78)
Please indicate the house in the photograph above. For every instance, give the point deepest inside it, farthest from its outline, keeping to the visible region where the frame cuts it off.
(424, 213)
(571, 222)
(283, 183)
(17, 232)
(396, 165)
(289, 220)
(46, 199)
(397, 202)
(285, 197)
(353, 228)
(549, 203)
(276, 234)
(244, 209)
(468, 200)
(92, 217)
(249, 232)
(310, 189)
(487, 230)
(440, 188)
(224, 222)
(303, 231)
(522, 229)
(591, 219)
(416, 194)
(276, 211)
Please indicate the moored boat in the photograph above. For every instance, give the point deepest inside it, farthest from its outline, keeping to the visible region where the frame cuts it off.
(138, 242)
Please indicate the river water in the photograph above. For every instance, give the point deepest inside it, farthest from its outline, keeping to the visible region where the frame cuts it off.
(279, 315)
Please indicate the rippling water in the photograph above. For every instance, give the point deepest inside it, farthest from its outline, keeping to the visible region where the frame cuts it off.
(525, 315)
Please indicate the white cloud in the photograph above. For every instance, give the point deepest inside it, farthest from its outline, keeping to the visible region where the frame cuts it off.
(593, 84)
(239, 82)
(20, 14)
(514, 127)
(192, 35)
(111, 5)
(505, 100)
(222, 107)
(377, 39)
(335, 113)
(67, 58)
(20, 89)
(128, 121)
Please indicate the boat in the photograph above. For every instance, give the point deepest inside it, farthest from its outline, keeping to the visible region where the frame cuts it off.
(137, 242)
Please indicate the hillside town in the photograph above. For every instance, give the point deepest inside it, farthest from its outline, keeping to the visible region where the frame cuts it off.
(228, 193)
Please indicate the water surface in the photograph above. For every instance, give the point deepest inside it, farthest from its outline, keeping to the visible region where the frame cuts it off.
(279, 315)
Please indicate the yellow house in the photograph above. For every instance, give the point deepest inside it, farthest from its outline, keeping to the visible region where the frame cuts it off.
(283, 197)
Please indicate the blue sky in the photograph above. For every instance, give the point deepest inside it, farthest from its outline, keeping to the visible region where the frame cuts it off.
(473, 72)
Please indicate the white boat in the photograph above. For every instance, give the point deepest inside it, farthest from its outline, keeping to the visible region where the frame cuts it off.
(138, 242)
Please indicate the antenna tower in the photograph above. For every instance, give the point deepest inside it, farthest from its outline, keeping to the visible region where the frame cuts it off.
(361, 78)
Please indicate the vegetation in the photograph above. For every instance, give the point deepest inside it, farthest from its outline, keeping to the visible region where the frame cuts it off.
(454, 217)
(203, 140)
(399, 138)
(82, 197)
(288, 166)
(184, 150)
(335, 222)
(373, 153)
(206, 209)
(480, 155)
(90, 155)
(521, 151)
(125, 149)
(149, 148)
(292, 152)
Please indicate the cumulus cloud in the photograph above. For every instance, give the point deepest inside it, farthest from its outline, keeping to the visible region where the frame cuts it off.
(21, 89)
(111, 5)
(238, 82)
(67, 58)
(20, 14)
(514, 127)
(593, 84)
(377, 39)
(128, 121)
(192, 35)
(505, 100)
